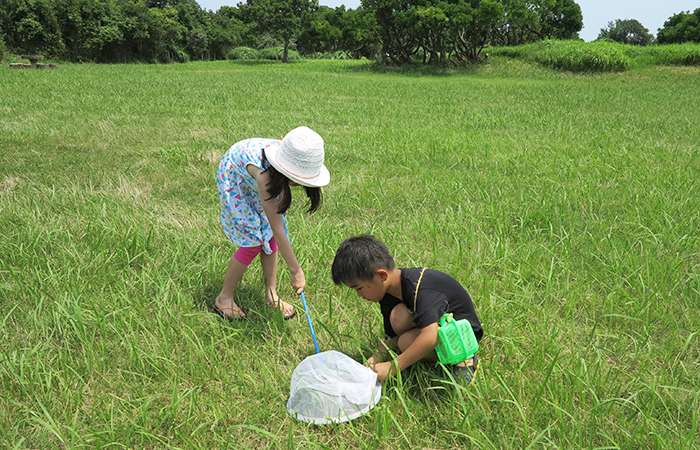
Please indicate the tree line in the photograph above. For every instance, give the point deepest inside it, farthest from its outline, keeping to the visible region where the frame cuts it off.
(678, 29)
(397, 31)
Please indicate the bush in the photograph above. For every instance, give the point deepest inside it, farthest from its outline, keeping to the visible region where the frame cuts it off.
(664, 55)
(329, 55)
(573, 55)
(519, 52)
(276, 53)
(243, 53)
(579, 56)
(676, 54)
(179, 55)
(3, 49)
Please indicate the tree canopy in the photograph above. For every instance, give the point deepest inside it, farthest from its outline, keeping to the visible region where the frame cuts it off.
(461, 29)
(401, 31)
(680, 28)
(117, 30)
(282, 19)
(629, 31)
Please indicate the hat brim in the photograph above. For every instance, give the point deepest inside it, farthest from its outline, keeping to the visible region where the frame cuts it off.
(321, 179)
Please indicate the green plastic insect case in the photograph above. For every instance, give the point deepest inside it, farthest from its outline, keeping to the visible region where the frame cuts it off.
(456, 340)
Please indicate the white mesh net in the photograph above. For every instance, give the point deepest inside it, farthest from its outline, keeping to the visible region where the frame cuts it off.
(332, 387)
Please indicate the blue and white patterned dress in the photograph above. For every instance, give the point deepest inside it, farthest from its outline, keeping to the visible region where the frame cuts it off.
(242, 216)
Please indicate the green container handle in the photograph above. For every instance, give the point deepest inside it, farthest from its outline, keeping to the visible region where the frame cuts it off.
(445, 318)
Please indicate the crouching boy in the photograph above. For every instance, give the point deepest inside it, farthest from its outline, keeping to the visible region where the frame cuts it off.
(412, 301)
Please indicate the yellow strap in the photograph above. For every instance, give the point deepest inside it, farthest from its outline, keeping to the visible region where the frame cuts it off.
(415, 298)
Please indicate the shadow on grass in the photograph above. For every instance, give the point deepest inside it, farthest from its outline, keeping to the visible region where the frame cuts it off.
(421, 70)
(259, 62)
(425, 381)
(375, 67)
(261, 319)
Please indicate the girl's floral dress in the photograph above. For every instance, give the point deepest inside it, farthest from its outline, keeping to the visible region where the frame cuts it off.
(242, 215)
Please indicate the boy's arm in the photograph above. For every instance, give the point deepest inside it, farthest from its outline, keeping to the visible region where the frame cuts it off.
(424, 345)
(383, 350)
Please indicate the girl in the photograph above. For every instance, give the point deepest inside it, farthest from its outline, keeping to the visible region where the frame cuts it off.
(254, 180)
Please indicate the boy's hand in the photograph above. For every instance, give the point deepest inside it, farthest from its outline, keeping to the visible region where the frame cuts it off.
(371, 361)
(298, 280)
(382, 370)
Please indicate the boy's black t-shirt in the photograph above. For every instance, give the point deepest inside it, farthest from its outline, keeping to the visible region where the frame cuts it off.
(438, 294)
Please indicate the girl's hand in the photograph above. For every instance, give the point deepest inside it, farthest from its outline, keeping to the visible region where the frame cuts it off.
(298, 280)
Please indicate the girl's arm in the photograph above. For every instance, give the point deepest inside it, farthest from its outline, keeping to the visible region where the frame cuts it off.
(296, 274)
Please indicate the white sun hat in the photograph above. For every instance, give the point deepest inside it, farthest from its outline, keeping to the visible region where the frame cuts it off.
(299, 157)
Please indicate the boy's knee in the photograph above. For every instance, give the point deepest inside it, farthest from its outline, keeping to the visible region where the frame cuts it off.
(401, 319)
(405, 340)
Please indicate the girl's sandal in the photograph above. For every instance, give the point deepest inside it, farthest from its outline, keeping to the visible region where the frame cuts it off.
(276, 305)
(231, 318)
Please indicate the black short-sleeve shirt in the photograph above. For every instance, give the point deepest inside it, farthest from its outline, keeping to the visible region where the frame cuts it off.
(438, 294)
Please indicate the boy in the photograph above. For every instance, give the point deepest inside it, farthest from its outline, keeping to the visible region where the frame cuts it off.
(363, 263)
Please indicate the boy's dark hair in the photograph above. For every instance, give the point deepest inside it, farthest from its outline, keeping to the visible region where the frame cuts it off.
(279, 184)
(359, 258)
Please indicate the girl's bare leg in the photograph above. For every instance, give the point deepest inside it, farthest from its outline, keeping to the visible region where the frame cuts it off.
(269, 268)
(234, 273)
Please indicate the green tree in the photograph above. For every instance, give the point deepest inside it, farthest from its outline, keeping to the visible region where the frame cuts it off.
(224, 33)
(473, 26)
(339, 30)
(559, 19)
(165, 35)
(282, 19)
(2, 48)
(534, 20)
(31, 26)
(322, 32)
(629, 31)
(681, 27)
(93, 30)
(360, 33)
(432, 26)
(396, 28)
(521, 25)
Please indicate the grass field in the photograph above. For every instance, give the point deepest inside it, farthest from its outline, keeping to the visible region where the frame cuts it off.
(567, 205)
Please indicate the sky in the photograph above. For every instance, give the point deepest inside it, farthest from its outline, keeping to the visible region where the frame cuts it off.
(596, 13)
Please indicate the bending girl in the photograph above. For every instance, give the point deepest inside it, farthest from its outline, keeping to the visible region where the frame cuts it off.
(254, 180)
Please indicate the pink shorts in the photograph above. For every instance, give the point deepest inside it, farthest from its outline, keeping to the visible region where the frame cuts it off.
(246, 255)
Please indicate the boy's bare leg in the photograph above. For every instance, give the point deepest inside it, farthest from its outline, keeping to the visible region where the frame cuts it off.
(402, 321)
(234, 273)
(406, 339)
(269, 268)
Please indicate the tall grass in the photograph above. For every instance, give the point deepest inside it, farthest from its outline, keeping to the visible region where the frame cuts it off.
(571, 55)
(243, 53)
(271, 53)
(601, 56)
(567, 205)
(687, 54)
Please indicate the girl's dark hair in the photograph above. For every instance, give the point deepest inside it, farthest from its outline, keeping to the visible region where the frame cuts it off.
(278, 187)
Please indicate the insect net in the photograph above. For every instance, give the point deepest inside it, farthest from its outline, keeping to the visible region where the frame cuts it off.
(330, 387)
